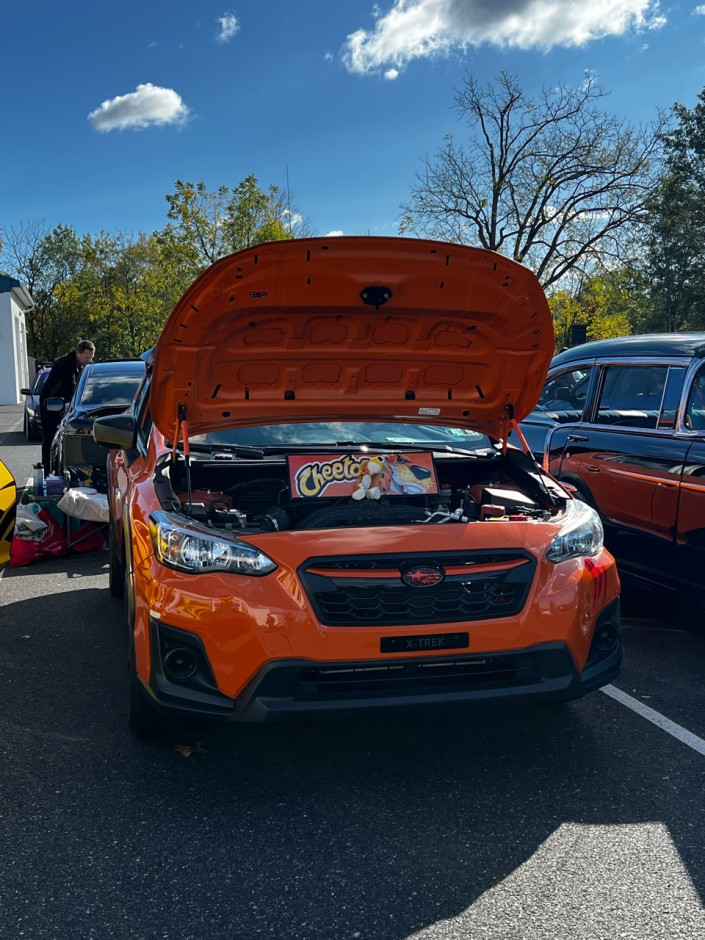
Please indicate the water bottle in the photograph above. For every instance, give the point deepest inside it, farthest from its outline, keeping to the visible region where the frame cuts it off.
(38, 480)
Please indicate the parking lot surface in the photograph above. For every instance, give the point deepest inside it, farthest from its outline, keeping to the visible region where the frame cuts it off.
(585, 820)
(578, 821)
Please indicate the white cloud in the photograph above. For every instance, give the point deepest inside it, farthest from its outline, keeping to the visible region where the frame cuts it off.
(336, 233)
(414, 29)
(699, 10)
(293, 218)
(148, 105)
(391, 74)
(228, 25)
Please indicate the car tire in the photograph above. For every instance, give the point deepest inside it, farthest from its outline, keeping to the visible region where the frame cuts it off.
(582, 493)
(29, 430)
(116, 567)
(687, 612)
(142, 718)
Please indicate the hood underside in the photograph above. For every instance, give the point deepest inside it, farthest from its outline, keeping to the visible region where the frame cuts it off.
(354, 328)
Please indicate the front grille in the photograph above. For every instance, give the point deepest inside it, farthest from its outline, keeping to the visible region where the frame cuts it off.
(414, 677)
(369, 591)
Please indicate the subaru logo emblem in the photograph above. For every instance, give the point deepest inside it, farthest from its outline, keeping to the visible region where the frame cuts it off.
(423, 576)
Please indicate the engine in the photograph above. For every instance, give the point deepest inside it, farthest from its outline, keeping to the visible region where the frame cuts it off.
(251, 497)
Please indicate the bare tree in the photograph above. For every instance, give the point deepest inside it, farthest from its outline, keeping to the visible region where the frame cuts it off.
(556, 183)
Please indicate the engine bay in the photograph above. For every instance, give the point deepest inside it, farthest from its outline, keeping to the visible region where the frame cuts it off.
(253, 496)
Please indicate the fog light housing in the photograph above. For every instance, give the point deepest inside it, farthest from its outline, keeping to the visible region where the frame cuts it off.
(606, 636)
(180, 664)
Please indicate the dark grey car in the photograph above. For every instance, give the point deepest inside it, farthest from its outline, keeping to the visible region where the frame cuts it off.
(32, 411)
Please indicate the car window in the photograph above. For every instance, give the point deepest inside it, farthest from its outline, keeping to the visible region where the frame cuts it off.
(694, 418)
(110, 388)
(671, 397)
(39, 382)
(142, 415)
(632, 395)
(564, 395)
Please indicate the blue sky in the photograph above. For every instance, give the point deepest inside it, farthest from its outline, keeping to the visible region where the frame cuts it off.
(105, 105)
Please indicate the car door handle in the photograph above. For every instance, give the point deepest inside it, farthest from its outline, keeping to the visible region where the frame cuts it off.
(577, 437)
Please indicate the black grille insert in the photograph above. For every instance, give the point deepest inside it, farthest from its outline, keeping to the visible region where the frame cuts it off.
(368, 590)
(414, 677)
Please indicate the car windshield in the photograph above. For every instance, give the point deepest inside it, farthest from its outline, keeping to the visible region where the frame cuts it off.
(110, 388)
(39, 382)
(344, 433)
(565, 391)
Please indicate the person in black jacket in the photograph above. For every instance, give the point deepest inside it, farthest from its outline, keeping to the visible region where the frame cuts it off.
(60, 383)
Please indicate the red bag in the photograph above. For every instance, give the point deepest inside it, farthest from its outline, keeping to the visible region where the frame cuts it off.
(51, 545)
(23, 552)
(88, 538)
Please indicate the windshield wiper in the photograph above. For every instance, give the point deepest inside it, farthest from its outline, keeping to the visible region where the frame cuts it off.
(106, 409)
(227, 451)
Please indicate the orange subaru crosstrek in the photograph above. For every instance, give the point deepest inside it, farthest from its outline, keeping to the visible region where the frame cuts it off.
(313, 507)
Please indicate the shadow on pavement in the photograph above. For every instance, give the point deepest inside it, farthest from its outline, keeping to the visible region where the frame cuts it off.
(357, 829)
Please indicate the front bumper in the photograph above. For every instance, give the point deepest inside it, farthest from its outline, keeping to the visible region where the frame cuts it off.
(296, 689)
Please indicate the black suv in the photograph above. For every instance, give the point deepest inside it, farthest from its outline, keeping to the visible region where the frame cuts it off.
(623, 421)
(103, 388)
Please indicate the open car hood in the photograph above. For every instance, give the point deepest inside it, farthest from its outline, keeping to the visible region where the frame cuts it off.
(354, 328)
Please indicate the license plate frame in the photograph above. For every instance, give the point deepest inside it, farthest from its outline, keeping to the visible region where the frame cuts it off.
(425, 643)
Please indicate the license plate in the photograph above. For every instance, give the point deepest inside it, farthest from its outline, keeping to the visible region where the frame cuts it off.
(425, 644)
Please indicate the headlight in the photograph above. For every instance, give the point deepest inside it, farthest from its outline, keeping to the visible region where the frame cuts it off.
(581, 533)
(30, 411)
(186, 546)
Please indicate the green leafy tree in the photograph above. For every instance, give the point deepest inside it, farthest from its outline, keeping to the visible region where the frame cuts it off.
(123, 288)
(48, 264)
(676, 244)
(567, 312)
(118, 289)
(607, 304)
(555, 182)
(205, 226)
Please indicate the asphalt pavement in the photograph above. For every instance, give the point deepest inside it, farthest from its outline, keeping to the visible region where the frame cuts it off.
(17, 453)
(578, 822)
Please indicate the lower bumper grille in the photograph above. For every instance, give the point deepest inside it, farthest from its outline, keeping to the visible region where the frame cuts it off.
(413, 678)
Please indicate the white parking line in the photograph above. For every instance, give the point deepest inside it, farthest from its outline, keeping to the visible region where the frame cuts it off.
(656, 718)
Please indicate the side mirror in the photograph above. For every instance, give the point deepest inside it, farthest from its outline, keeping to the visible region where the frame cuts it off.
(115, 431)
(25, 391)
(54, 404)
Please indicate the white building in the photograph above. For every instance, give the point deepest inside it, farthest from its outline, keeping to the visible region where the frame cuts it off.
(15, 301)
